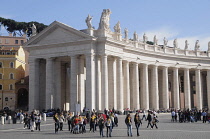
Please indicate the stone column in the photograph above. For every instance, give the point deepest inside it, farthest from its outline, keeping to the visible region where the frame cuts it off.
(208, 87)
(187, 89)
(176, 88)
(90, 81)
(126, 84)
(81, 82)
(120, 85)
(198, 89)
(135, 85)
(34, 84)
(49, 84)
(73, 83)
(145, 87)
(98, 83)
(115, 82)
(58, 83)
(155, 91)
(165, 88)
(104, 81)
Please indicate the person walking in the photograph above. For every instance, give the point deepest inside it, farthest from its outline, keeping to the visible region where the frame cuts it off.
(108, 126)
(101, 125)
(38, 121)
(61, 120)
(128, 122)
(56, 120)
(32, 117)
(137, 121)
(149, 119)
(154, 122)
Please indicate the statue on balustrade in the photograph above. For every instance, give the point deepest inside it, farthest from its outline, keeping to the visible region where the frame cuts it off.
(175, 43)
(135, 36)
(209, 46)
(126, 33)
(155, 40)
(145, 38)
(104, 21)
(197, 45)
(117, 28)
(186, 45)
(34, 31)
(165, 41)
(88, 22)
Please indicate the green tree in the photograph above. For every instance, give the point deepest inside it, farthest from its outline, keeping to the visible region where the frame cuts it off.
(20, 28)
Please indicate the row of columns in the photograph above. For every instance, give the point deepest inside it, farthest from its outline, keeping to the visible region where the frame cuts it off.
(126, 85)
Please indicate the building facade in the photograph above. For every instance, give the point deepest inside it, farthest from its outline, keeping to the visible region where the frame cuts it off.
(98, 68)
(12, 69)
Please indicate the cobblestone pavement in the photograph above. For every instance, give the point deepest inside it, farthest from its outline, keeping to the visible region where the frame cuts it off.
(166, 130)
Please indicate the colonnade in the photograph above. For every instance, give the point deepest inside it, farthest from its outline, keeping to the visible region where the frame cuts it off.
(105, 81)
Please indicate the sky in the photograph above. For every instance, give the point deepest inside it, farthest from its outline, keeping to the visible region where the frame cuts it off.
(173, 19)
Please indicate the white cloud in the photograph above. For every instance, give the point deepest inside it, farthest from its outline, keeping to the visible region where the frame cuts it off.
(172, 33)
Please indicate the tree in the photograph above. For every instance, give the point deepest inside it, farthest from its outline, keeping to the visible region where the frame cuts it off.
(20, 28)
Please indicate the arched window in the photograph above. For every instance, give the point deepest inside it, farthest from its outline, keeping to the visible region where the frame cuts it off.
(6, 99)
(1, 65)
(1, 76)
(1, 87)
(11, 64)
(11, 76)
(10, 87)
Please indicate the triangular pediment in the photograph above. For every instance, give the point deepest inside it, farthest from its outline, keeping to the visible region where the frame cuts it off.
(58, 33)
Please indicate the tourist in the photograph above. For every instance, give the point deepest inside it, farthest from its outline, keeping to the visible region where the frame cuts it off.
(204, 114)
(173, 115)
(61, 120)
(108, 124)
(81, 120)
(76, 125)
(32, 117)
(92, 122)
(137, 121)
(101, 125)
(116, 119)
(128, 122)
(149, 119)
(38, 121)
(69, 118)
(144, 115)
(56, 120)
(154, 122)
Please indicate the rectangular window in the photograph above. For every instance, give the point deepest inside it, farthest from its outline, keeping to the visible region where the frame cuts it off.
(0, 41)
(16, 41)
(7, 41)
(22, 41)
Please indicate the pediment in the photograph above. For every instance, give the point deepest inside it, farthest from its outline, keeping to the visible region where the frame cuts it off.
(58, 33)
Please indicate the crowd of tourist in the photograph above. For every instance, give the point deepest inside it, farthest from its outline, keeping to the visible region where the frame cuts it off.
(106, 121)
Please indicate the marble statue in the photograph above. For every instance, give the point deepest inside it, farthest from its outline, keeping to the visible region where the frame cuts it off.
(104, 21)
(186, 45)
(117, 27)
(209, 46)
(197, 46)
(155, 41)
(88, 21)
(145, 38)
(135, 36)
(126, 33)
(34, 31)
(165, 41)
(175, 43)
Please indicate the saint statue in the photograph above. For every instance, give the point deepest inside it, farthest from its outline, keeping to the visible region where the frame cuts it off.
(197, 46)
(126, 33)
(117, 28)
(33, 30)
(145, 38)
(88, 21)
(135, 36)
(186, 45)
(175, 43)
(104, 21)
(209, 46)
(155, 41)
(165, 41)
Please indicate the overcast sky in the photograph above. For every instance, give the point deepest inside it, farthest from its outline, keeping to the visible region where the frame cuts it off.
(181, 19)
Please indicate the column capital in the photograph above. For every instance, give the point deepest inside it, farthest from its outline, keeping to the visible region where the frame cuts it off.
(145, 65)
(186, 69)
(165, 67)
